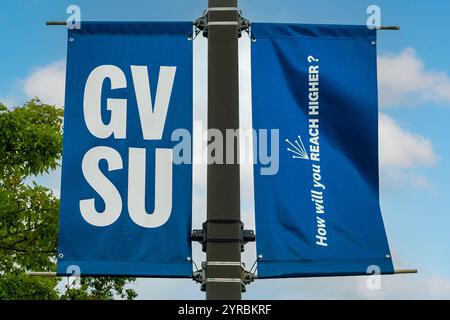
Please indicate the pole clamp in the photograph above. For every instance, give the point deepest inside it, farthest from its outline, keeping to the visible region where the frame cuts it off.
(201, 24)
(244, 237)
(246, 278)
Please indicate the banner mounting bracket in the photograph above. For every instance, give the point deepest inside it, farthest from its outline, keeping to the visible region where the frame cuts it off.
(200, 235)
(247, 277)
(201, 24)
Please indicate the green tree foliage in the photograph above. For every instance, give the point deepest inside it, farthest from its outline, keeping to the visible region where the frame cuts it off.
(31, 144)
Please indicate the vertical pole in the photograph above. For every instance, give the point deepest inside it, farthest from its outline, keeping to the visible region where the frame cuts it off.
(223, 228)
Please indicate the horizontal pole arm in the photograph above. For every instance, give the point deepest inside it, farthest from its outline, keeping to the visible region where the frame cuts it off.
(56, 23)
(396, 272)
(53, 274)
(407, 271)
(41, 274)
(64, 23)
(391, 28)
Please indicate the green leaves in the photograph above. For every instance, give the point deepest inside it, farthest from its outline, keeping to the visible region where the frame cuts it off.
(31, 144)
(101, 288)
(21, 286)
(30, 139)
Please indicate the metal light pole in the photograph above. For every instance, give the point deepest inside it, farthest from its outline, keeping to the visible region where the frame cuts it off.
(224, 227)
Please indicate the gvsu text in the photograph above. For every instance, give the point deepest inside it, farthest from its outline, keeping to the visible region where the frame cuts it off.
(152, 120)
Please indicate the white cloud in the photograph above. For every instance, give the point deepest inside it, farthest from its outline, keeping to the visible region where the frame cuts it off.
(401, 152)
(400, 148)
(399, 178)
(404, 80)
(47, 83)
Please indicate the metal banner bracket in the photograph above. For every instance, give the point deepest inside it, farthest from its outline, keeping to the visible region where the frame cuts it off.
(201, 236)
(201, 24)
(246, 278)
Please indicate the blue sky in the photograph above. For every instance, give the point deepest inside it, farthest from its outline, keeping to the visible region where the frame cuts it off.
(415, 98)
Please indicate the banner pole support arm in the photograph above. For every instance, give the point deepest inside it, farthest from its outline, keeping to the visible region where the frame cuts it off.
(389, 28)
(406, 271)
(244, 25)
(41, 274)
(56, 23)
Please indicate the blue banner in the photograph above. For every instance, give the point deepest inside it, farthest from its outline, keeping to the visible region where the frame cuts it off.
(126, 191)
(320, 214)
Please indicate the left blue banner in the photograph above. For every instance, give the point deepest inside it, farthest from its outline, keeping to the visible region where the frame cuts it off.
(126, 190)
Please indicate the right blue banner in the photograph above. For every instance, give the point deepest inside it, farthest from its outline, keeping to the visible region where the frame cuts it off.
(319, 214)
